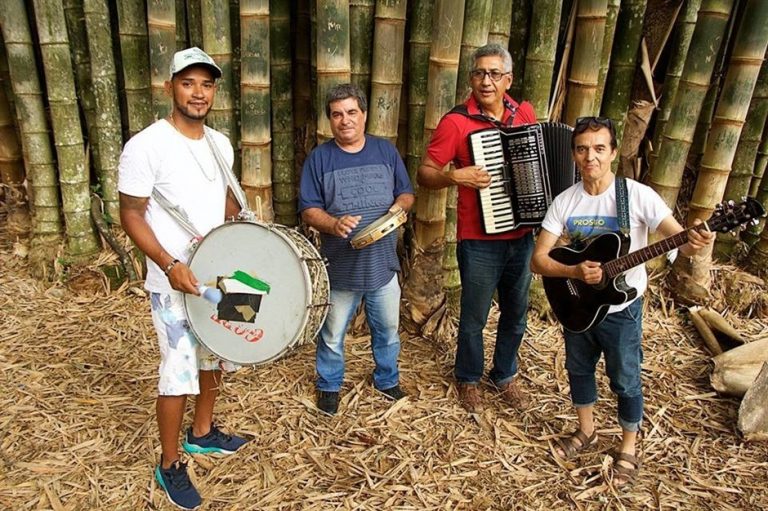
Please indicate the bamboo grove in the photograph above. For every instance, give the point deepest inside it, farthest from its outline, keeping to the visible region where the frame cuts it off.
(684, 80)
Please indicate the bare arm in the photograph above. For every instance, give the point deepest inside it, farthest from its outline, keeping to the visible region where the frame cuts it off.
(404, 201)
(541, 263)
(134, 224)
(323, 222)
(696, 239)
(231, 208)
(431, 176)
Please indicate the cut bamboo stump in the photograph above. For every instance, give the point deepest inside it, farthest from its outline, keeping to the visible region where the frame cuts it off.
(736, 369)
(753, 412)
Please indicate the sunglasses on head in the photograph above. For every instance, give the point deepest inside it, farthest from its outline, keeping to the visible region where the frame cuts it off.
(594, 122)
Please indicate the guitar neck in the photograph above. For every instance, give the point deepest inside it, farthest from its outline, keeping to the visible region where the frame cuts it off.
(638, 257)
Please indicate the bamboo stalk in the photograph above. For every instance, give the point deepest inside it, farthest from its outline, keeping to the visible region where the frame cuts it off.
(283, 173)
(35, 137)
(753, 232)
(477, 14)
(540, 57)
(588, 42)
(108, 128)
(501, 17)
(11, 159)
(667, 171)
(195, 23)
(361, 27)
(70, 151)
(161, 23)
(256, 110)
(333, 59)
(134, 50)
(304, 121)
(182, 39)
(217, 42)
(605, 58)
(387, 76)
(518, 42)
(744, 160)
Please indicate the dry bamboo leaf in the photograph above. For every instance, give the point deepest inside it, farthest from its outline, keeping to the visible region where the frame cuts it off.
(705, 331)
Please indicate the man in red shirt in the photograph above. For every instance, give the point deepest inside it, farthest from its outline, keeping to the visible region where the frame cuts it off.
(487, 262)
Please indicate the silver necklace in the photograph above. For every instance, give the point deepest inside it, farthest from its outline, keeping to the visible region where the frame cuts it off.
(192, 152)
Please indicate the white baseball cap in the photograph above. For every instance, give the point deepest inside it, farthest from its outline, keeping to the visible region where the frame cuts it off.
(193, 56)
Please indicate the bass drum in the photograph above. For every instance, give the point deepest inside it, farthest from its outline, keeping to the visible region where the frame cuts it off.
(253, 329)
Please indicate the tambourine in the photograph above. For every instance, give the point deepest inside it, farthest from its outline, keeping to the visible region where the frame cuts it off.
(379, 228)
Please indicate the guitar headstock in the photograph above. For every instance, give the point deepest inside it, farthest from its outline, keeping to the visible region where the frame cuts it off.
(729, 215)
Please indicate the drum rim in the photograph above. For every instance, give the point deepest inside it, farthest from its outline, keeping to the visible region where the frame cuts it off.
(307, 297)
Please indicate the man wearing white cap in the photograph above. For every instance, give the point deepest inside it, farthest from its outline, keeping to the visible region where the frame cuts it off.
(174, 157)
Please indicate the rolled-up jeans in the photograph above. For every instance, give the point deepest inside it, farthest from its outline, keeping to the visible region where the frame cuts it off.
(382, 310)
(485, 266)
(618, 337)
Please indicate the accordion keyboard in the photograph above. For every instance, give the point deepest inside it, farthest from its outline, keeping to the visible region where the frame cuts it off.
(495, 201)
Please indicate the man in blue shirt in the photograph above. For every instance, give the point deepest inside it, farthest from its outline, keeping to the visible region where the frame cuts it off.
(347, 183)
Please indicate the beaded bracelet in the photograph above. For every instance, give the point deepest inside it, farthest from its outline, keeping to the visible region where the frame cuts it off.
(170, 266)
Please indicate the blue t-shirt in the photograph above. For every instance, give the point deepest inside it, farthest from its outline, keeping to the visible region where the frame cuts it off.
(364, 183)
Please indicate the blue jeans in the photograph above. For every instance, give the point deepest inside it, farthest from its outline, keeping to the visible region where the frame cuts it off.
(618, 338)
(485, 266)
(382, 309)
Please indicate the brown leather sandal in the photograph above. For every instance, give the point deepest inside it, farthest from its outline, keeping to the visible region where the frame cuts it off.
(627, 474)
(571, 448)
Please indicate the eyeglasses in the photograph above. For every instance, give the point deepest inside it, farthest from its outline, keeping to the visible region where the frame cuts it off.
(494, 74)
(594, 122)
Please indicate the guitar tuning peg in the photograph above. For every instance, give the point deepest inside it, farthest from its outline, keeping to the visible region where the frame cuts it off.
(731, 203)
(733, 233)
(754, 221)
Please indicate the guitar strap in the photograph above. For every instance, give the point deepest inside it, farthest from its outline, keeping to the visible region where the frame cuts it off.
(622, 205)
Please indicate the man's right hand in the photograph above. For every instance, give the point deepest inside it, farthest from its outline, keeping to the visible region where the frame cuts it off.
(345, 224)
(182, 279)
(473, 176)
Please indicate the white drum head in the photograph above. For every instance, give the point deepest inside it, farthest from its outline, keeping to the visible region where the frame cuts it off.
(269, 255)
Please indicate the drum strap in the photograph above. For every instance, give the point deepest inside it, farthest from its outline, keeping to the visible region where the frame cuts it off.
(245, 212)
(176, 212)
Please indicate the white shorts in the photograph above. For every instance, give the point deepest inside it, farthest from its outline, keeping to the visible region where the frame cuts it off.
(181, 354)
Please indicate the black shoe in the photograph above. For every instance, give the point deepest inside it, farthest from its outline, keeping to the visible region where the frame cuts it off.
(179, 489)
(394, 393)
(328, 402)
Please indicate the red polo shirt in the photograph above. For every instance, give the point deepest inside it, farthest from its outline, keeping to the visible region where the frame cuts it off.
(450, 143)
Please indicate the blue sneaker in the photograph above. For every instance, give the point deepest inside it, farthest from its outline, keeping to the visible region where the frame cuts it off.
(179, 489)
(214, 442)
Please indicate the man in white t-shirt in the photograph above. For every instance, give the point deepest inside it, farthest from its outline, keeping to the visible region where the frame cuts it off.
(175, 157)
(581, 212)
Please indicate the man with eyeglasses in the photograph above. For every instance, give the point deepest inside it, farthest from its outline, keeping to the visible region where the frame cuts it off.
(487, 262)
(585, 210)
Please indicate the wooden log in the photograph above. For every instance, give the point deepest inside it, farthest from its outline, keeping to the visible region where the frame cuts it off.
(753, 412)
(736, 369)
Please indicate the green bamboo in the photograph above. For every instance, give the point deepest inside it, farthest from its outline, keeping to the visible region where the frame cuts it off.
(418, 70)
(540, 57)
(667, 171)
(757, 260)
(283, 172)
(500, 23)
(217, 42)
(618, 87)
(195, 23)
(682, 34)
(5, 75)
(752, 234)
(743, 68)
(429, 222)
(585, 67)
(70, 151)
(11, 159)
(477, 16)
(743, 168)
(760, 164)
(256, 110)
(332, 54)
(518, 43)
(182, 39)
(387, 72)
(161, 23)
(35, 137)
(108, 129)
(304, 122)
(361, 25)
(605, 57)
(134, 51)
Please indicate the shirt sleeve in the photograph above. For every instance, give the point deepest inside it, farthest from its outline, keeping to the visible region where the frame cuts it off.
(402, 181)
(652, 206)
(311, 186)
(445, 139)
(526, 113)
(136, 176)
(554, 222)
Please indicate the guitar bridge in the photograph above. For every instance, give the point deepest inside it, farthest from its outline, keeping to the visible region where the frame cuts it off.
(572, 288)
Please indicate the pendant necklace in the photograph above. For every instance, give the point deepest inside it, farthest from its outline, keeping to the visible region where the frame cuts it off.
(191, 151)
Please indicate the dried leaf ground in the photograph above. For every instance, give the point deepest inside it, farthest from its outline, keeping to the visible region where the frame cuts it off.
(77, 432)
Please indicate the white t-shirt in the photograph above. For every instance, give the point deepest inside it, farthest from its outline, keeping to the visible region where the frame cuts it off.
(185, 172)
(577, 215)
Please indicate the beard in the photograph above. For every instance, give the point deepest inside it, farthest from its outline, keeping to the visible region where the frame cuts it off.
(192, 113)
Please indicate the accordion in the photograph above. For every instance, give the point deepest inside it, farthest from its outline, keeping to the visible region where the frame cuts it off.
(529, 165)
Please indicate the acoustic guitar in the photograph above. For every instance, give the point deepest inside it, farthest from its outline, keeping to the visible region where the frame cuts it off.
(578, 306)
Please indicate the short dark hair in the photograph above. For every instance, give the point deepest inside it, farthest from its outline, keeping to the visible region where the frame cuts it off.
(343, 91)
(494, 50)
(593, 123)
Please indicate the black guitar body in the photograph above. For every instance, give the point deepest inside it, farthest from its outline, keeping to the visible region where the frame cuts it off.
(576, 304)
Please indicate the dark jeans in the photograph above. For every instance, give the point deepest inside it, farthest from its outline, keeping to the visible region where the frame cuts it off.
(618, 338)
(485, 266)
